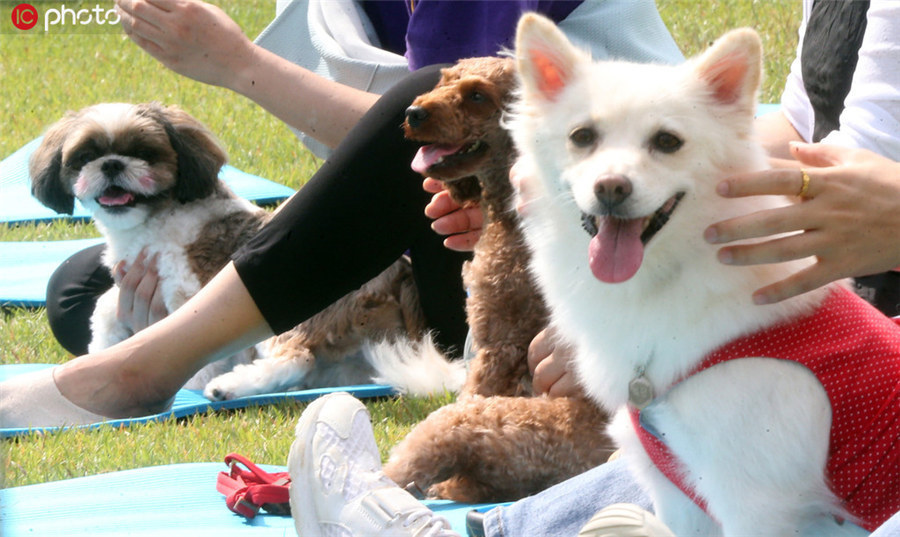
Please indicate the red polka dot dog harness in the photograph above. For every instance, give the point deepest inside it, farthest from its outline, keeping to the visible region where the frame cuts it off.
(854, 351)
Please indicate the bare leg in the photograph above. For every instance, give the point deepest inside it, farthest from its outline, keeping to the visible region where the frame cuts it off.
(142, 374)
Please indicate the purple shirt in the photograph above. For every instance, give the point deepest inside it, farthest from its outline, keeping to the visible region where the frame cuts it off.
(443, 31)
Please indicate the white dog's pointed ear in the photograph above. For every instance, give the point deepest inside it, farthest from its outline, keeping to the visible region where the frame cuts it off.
(732, 67)
(546, 59)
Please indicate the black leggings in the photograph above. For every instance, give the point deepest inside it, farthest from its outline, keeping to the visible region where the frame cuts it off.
(360, 212)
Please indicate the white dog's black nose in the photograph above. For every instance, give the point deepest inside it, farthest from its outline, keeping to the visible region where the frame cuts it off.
(612, 190)
(112, 167)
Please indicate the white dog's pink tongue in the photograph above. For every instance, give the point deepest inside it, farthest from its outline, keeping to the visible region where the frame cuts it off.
(114, 197)
(616, 251)
(429, 155)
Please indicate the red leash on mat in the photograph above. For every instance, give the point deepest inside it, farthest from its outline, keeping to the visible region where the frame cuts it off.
(247, 490)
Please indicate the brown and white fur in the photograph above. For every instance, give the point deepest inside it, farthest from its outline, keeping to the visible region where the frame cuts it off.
(149, 176)
(615, 142)
(498, 441)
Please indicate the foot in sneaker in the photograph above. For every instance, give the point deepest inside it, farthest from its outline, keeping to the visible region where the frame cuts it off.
(624, 520)
(337, 488)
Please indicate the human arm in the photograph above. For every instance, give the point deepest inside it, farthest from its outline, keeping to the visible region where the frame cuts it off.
(202, 42)
(850, 219)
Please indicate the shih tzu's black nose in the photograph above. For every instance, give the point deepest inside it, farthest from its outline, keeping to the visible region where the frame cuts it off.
(112, 167)
(416, 115)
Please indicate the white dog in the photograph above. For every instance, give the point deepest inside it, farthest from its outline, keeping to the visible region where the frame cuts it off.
(149, 176)
(755, 446)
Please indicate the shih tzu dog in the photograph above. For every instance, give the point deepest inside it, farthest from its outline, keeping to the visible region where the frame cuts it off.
(149, 176)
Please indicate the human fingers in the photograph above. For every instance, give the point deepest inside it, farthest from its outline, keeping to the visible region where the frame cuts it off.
(144, 23)
(764, 223)
(540, 348)
(127, 278)
(462, 242)
(803, 281)
(546, 374)
(778, 250)
(774, 182)
(459, 221)
(441, 204)
(433, 186)
(146, 298)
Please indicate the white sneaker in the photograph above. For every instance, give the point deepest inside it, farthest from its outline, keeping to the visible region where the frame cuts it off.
(624, 520)
(337, 488)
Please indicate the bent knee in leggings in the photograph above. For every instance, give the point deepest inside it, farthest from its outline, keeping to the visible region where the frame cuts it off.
(72, 293)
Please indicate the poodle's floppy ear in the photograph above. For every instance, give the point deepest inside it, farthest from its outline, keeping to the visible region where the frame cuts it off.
(200, 155)
(547, 60)
(45, 168)
(732, 68)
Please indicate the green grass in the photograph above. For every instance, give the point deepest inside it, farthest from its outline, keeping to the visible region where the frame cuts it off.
(44, 76)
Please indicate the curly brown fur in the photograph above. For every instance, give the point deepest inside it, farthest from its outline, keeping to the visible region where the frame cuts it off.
(497, 442)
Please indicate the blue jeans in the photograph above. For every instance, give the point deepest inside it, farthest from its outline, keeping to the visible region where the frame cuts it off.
(562, 510)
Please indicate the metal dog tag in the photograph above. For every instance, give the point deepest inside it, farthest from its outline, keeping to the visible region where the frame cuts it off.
(640, 391)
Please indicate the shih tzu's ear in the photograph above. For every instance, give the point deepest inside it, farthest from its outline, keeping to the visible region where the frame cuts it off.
(200, 155)
(45, 168)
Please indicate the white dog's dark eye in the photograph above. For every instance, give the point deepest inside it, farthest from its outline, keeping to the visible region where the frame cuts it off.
(583, 137)
(666, 142)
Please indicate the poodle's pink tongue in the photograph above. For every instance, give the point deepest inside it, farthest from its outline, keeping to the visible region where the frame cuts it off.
(429, 155)
(616, 251)
(115, 196)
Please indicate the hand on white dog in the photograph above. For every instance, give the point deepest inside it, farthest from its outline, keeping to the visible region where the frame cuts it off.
(462, 226)
(192, 38)
(849, 218)
(548, 361)
(140, 299)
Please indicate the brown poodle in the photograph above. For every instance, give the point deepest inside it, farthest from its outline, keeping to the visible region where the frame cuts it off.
(497, 442)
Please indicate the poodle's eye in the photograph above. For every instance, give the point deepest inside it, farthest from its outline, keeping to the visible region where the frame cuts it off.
(477, 97)
(666, 142)
(583, 137)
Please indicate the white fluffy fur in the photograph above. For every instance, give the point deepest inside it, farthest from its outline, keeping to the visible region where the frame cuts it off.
(165, 234)
(733, 426)
(417, 368)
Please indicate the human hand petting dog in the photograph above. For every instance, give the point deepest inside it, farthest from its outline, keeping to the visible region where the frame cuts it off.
(194, 39)
(548, 361)
(140, 300)
(461, 226)
(849, 218)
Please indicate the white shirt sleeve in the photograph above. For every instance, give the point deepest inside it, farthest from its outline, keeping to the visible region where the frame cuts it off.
(871, 116)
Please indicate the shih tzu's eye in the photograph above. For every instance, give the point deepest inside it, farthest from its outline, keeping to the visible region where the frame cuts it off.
(583, 137)
(477, 97)
(146, 154)
(81, 159)
(666, 142)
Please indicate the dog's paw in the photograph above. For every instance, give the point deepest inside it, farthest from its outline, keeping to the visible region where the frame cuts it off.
(624, 520)
(227, 387)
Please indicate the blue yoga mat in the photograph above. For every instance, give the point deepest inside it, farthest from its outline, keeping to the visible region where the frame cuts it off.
(25, 268)
(17, 205)
(178, 500)
(189, 402)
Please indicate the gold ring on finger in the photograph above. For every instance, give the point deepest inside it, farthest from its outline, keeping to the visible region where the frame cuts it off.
(804, 188)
